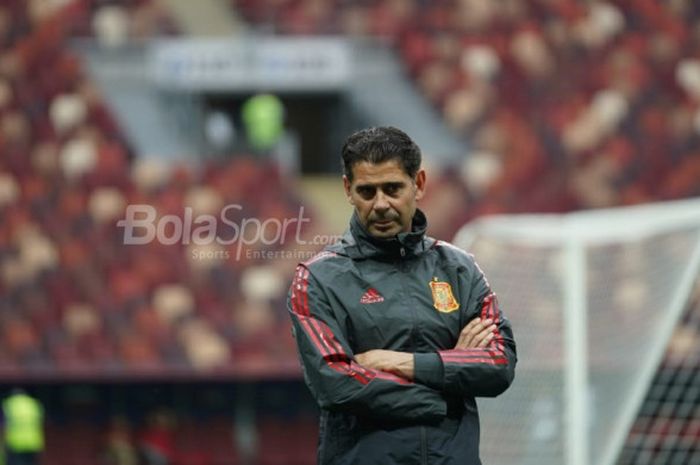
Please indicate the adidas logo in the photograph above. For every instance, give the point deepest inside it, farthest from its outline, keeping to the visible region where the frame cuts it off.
(371, 297)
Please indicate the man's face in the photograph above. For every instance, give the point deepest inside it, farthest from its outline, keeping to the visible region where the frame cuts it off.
(384, 196)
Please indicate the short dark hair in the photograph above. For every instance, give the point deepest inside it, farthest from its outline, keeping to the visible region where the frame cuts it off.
(378, 145)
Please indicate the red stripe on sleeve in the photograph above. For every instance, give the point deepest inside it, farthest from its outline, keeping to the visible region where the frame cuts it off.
(485, 352)
(473, 356)
(486, 361)
(308, 329)
(337, 355)
(298, 291)
(344, 369)
(489, 309)
(305, 291)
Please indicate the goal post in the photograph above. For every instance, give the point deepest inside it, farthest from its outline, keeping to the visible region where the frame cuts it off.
(594, 298)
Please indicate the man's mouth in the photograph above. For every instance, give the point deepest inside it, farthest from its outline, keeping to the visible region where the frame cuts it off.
(383, 224)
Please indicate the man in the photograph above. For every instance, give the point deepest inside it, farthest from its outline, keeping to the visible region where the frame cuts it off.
(23, 423)
(397, 332)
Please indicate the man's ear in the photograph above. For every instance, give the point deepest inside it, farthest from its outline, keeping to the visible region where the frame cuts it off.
(420, 184)
(346, 185)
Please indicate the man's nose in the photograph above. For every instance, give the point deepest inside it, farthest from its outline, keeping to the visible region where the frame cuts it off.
(381, 203)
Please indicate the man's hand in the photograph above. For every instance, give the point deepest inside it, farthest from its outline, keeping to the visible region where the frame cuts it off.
(398, 363)
(476, 335)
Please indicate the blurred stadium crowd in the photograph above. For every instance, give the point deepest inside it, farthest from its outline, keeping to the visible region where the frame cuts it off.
(566, 105)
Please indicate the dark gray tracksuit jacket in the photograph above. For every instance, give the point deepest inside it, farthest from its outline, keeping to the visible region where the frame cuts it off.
(413, 294)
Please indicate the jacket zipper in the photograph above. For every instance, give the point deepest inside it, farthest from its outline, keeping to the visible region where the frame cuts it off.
(423, 438)
(403, 268)
(423, 446)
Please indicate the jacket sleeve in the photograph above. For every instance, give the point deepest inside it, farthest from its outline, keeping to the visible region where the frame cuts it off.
(336, 381)
(485, 372)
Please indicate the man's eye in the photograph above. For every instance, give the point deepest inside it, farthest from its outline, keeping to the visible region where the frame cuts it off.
(366, 192)
(391, 189)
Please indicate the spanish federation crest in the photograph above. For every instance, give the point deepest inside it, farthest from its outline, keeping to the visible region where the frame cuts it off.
(443, 299)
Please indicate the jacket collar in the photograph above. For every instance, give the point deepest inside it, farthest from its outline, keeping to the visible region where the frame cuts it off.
(357, 242)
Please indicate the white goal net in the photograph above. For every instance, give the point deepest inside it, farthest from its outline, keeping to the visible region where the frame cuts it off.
(593, 297)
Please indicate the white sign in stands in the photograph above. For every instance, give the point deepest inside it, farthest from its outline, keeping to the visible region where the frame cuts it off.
(274, 64)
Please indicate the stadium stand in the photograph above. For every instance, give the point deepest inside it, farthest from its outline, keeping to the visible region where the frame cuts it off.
(570, 106)
(77, 299)
(77, 304)
(566, 106)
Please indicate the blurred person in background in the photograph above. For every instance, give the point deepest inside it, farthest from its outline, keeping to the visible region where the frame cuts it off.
(263, 117)
(23, 423)
(263, 120)
(119, 447)
(157, 441)
(397, 332)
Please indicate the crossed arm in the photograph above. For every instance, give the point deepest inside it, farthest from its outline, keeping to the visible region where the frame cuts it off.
(476, 334)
